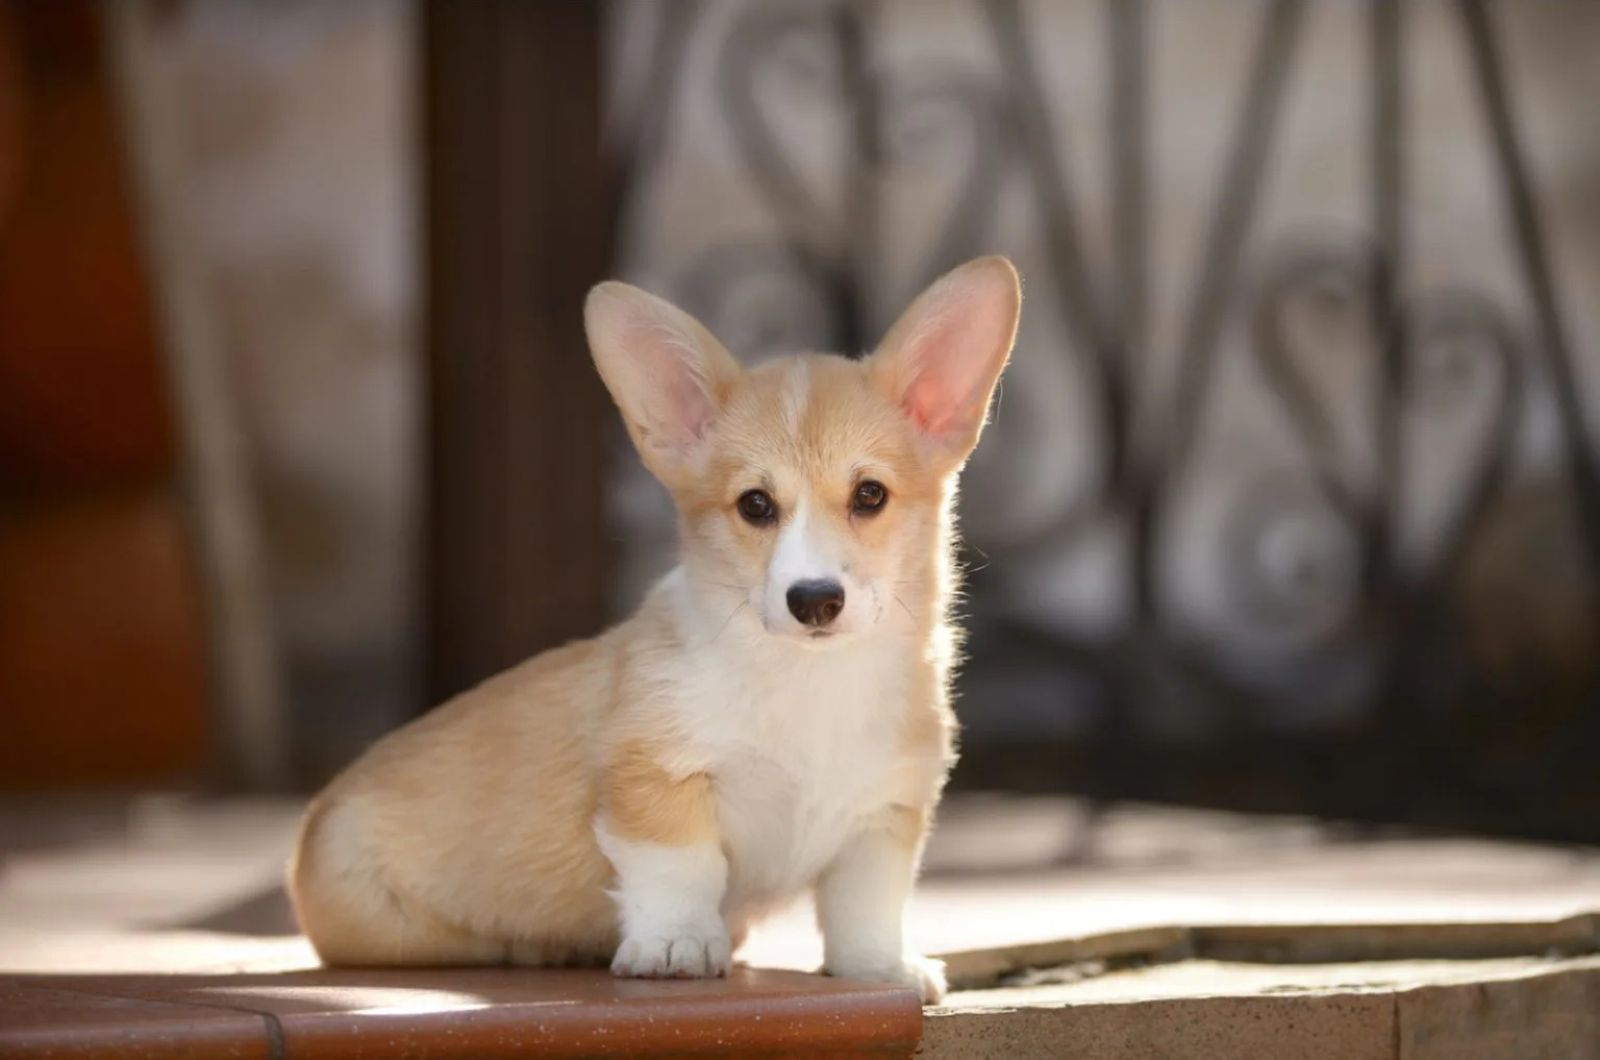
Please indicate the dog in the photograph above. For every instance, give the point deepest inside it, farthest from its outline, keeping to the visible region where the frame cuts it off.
(773, 719)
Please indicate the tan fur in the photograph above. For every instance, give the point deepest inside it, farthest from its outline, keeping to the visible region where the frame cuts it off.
(645, 802)
(468, 836)
(508, 760)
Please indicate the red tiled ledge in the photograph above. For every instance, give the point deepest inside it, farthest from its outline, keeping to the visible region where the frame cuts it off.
(452, 1012)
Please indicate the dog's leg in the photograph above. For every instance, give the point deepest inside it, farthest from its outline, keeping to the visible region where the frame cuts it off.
(347, 906)
(660, 834)
(861, 900)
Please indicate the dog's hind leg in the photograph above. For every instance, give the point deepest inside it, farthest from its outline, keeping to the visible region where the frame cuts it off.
(354, 917)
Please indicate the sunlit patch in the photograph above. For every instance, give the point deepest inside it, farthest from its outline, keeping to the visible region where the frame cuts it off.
(363, 1000)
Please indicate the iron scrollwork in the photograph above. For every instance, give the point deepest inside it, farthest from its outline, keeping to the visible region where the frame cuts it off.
(1389, 623)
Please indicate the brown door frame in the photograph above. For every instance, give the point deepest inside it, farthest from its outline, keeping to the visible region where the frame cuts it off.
(518, 227)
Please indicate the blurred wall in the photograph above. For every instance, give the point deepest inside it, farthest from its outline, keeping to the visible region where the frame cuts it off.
(295, 152)
(102, 650)
(710, 225)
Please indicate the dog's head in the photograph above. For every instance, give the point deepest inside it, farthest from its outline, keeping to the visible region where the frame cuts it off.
(812, 490)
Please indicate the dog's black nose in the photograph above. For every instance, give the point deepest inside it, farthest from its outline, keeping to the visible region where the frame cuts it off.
(816, 603)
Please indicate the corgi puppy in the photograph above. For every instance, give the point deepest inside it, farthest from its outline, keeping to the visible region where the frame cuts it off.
(775, 718)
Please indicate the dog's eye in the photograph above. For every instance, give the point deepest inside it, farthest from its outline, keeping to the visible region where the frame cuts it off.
(756, 506)
(869, 498)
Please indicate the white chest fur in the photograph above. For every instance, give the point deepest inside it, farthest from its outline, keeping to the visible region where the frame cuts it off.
(801, 745)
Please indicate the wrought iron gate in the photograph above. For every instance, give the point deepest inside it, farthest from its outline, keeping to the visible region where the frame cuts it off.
(1462, 669)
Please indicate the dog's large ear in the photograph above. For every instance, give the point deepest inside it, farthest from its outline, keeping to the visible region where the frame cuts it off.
(666, 372)
(941, 360)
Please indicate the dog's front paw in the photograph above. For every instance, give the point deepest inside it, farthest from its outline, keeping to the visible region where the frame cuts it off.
(684, 955)
(922, 974)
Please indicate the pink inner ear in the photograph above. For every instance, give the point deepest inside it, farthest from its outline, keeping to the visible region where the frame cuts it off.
(673, 384)
(950, 358)
(931, 402)
(942, 357)
(688, 404)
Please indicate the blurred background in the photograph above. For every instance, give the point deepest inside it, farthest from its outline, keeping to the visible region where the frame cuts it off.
(1290, 502)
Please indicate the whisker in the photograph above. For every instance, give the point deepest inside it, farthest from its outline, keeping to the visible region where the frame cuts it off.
(729, 620)
(903, 606)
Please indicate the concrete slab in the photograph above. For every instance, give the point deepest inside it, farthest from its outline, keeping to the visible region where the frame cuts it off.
(1543, 1015)
(1315, 1027)
(1511, 1008)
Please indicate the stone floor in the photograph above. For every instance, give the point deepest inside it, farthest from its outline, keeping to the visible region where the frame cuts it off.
(91, 884)
(94, 893)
